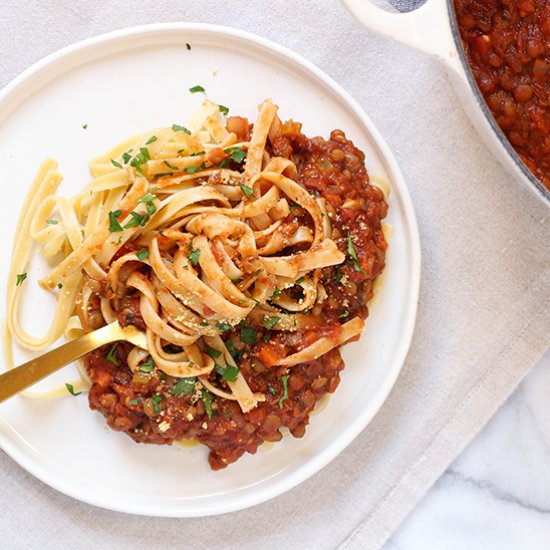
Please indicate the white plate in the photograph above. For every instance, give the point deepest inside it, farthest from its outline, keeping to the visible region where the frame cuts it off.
(129, 81)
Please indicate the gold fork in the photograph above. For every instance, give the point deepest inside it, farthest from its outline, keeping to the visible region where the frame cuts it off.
(27, 374)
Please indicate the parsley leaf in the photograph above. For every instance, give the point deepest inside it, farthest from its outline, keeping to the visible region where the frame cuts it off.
(52, 222)
(84, 126)
(133, 402)
(152, 139)
(213, 352)
(191, 169)
(116, 164)
(70, 389)
(343, 315)
(284, 380)
(248, 191)
(111, 356)
(137, 219)
(180, 128)
(194, 256)
(248, 335)
(223, 326)
(207, 400)
(185, 386)
(229, 373)
(236, 153)
(223, 109)
(148, 366)
(270, 322)
(156, 399)
(353, 254)
(142, 254)
(338, 276)
(20, 278)
(300, 280)
(275, 293)
(197, 88)
(114, 224)
(187, 45)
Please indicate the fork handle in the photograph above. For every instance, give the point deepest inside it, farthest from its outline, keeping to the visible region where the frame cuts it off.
(27, 374)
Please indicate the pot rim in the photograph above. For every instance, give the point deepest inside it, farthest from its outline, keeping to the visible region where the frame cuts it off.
(520, 165)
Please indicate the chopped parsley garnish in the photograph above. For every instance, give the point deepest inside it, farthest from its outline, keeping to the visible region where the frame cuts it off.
(284, 380)
(204, 323)
(197, 154)
(275, 293)
(148, 366)
(236, 153)
(267, 336)
(114, 224)
(248, 335)
(84, 126)
(52, 222)
(148, 199)
(60, 286)
(142, 254)
(137, 220)
(229, 373)
(152, 139)
(156, 399)
(197, 88)
(235, 353)
(224, 163)
(140, 158)
(185, 386)
(70, 389)
(133, 402)
(191, 169)
(20, 278)
(180, 128)
(187, 45)
(171, 166)
(207, 400)
(338, 276)
(272, 389)
(223, 109)
(223, 326)
(213, 352)
(248, 191)
(343, 315)
(270, 322)
(194, 256)
(111, 356)
(126, 157)
(353, 254)
(300, 280)
(116, 164)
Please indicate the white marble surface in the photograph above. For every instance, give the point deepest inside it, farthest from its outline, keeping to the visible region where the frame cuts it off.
(496, 495)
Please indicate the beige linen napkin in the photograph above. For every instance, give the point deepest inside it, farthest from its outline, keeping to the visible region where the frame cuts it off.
(484, 310)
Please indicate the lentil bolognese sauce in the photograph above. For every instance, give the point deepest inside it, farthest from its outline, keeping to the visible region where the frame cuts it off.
(507, 43)
(246, 252)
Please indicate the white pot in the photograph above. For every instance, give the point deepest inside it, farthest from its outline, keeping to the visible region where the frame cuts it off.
(432, 28)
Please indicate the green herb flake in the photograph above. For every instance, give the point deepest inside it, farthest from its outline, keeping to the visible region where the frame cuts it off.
(272, 389)
(248, 335)
(156, 399)
(70, 389)
(116, 164)
(133, 402)
(267, 336)
(235, 353)
(223, 109)
(171, 166)
(111, 356)
(236, 153)
(187, 45)
(221, 326)
(197, 88)
(207, 400)
(142, 254)
(213, 352)
(126, 157)
(185, 386)
(353, 255)
(343, 315)
(338, 275)
(180, 128)
(300, 280)
(248, 191)
(191, 169)
(148, 366)
(137, 220)
(60, 286)
(20, 278)
(284, 380)
(84, 126)
(204, 323)
(52, 222)
(275, 293)
(194, 256)
(114, 224)
(270, 322)
(229, 374)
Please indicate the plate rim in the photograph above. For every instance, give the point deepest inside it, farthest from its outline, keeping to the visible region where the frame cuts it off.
(322, 458)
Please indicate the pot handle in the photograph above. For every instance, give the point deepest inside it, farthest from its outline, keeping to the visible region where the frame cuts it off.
(427, 28)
